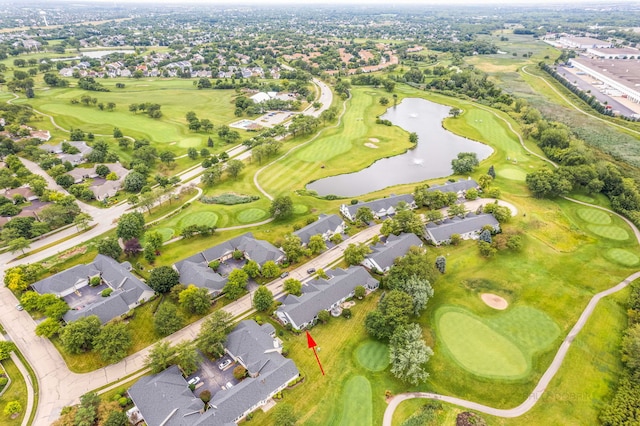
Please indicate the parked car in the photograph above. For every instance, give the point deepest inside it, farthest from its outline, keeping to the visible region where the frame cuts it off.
(285, 274)
(311, 271)
(194, 381)
(224, 364)
(19, 307)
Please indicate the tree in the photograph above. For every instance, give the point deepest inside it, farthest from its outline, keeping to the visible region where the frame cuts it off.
(455, 239)
(130, 225)
(78, 335)
(117, 133)
(459, 210)
(384, 101)
(486, 249)
(187, 357)
(160, 356)
(262, 299)
(48, 328)
(252, 268)
(441, 264)
(420, 291)
(19, 244)
(12, 407)
(485, 235)
(465, 163)
(113, 342)
(292, 247)
(212, 175)
(292, 286)
(455, 112)
(324, 316)
(81, 221)
(117, 418)
(213, 333)
(132, 247)
(630, 350)
(234, 167)
(5, 349)
(281, 207)
(408, 353)
(236, 284)
(163, 278)
(393, 311)
(316, 244)
(285, 416)
(167, 157)
(364, 215)
(195, 300)
(360, 292)
(413, 137)
(492, 172)
(355, 254)
(167, 320)
(270, 269)
(485, 181)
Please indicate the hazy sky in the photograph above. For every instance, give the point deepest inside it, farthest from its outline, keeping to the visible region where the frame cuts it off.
(377, 2)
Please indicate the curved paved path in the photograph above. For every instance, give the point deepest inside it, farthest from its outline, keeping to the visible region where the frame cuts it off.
(555, 365)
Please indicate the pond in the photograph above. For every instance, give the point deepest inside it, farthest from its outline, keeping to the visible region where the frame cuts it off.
(431, 158)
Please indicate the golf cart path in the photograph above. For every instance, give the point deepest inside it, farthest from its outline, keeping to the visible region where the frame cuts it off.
(555, 365)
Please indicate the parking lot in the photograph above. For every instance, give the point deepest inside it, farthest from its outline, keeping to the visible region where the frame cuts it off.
(211, 377)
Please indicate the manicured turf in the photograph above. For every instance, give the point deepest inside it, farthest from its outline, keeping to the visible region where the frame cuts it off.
(478, 348)
(300, 208)
(583, 198)
(192, 142)
(622, 256)
(167, 233)
(373, 355)
(199, 218)
(529, 328)
(251, 215)
(513, 174)
(597, 217)
(357, 406)
(611, 232)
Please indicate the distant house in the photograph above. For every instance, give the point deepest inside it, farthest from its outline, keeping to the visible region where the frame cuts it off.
(164, 399)
(383, 256)
(260, 97)
(468, 227)
(25, 191)
(200, 275)
(101, 187)
(380, 208)
(127, 290)
(460, 187)
(258, 250)
(75, 159)
(326, 226)
(323, 294)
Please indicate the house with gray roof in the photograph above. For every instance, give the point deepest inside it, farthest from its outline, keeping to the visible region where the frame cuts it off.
(468, 227)
(101, 188)
(380, 208)
(200, 275)
(164, 399)
(460, 187)
(127, 290)
(325, 226)
(383, 256)
(323, 294)
(76, 158)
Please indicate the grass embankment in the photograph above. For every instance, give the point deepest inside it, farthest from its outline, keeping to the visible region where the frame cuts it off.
(17, 391)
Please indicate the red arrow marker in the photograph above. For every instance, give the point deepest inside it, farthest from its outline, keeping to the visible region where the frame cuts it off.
(311, 344)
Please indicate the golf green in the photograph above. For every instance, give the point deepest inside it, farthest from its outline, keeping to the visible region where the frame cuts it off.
(199, 218)
(372, 355)
(300, 208)
(479, 349)
(622, 256)
(513, 174)
(582, 198)
(166, 233)
(594, 216)
(357, 408)
(251, 215)
(611, 232)
(190, 142)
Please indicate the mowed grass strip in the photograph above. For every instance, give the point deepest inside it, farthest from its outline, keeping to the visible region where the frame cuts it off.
(251, 215)
(622, 256)
(199, 218)
(530, 328)
(611, 232)
(594, 216)
(478, 348)
(373, 355)
(356, 400)
(513, 174)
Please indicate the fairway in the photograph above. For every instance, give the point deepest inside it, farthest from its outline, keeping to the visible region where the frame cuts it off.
(251, 215)
(622, 256)
(199, 218)
(513, 174)
(372, 355)
(479, 349)
(300, 208)
(612, 232)
(597, 217)
(356, 402)
(583, 198)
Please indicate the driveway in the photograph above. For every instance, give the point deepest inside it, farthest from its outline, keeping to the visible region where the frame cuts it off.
(212, 378)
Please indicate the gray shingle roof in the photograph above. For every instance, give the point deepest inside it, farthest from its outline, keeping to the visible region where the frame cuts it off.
(383, 203)
(396, 246)
(472, 222)
(165, 399)
(461, 185)
(66, 279)
(323, 224)
(106, 309)
(200, 275)
(320, 294)
(249, 342)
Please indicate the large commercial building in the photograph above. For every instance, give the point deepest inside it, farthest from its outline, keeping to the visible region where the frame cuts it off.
(621, 75)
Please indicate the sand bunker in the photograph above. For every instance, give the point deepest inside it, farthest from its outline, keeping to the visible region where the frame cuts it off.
(374, 140)
(370, 145)
(494, 301)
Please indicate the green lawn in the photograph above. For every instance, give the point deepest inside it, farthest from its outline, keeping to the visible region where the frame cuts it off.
(373, 355)
(594, 216)
(356, 406)
(17, 391)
